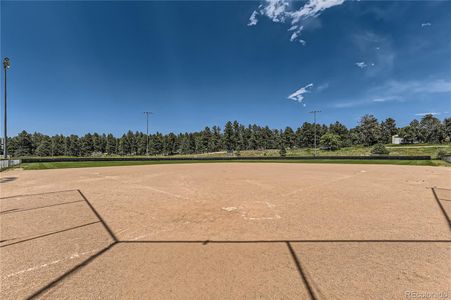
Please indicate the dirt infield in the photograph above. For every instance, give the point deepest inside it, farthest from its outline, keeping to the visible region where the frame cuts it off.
(226, 231)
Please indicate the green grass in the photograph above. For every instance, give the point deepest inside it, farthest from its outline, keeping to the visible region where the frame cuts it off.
(85, 164)
(407, 150)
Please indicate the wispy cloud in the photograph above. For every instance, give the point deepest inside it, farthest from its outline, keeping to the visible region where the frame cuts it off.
(431, 86)
(398, 91)
(388, 99)
(299, 94)
(427, 24)
(361, 65)
(253, 19)
(427, 113)
(322, 87)
(376, 52)
(279, 11)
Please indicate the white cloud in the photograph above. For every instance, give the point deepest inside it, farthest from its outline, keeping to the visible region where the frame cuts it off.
(376, 51)
(431, 86)
(299, 94)
(253, 19)
(388, 99)
(361, 65)
(279, 11)
(426, 24)
(276, 10)
(399, 91)
(427, 113)
(322, 87)
(313, 9)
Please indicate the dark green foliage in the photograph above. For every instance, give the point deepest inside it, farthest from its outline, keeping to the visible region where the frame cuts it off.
(388, 129)
(447, 130)
(235, 138)
(379, 149)
(45, 147)
(110, 147)
(331, 141)
(369, 130)
(411, 133)
(86, 145)
(22, 146)
(238, 152)
(282, 151)
(431, 129)
(228, 136)
(442, 153)
(305, 135)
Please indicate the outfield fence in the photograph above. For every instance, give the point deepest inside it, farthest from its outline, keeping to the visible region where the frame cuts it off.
(236, 158)
(7, 163)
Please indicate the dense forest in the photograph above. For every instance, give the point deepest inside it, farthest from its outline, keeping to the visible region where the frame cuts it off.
(234, 137)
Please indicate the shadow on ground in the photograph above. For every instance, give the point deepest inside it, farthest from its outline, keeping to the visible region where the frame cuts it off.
(64, 233)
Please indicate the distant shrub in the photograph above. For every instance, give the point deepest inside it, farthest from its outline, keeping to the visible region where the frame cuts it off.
(330, 141)
(442, 153)
(97, 154)
(283, 151)
(379, 149)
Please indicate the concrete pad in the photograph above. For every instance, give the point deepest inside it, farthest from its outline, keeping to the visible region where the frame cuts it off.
(187, 271)
(369, 270)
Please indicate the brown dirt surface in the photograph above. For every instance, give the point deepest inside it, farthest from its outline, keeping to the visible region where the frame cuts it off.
(229, 231)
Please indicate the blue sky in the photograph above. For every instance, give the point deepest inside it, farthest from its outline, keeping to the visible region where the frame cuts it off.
(96, 66)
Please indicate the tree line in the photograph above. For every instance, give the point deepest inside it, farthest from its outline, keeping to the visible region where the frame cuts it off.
(233, 137)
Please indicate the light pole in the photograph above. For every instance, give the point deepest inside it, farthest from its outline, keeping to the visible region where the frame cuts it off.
(147, 113)
(6, 65)
(314, 112)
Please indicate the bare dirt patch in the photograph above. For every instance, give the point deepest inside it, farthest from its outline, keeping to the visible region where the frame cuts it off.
(225, 231)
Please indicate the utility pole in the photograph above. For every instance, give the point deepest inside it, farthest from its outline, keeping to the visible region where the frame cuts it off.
(6, 65)
(147, 113)
(314, 112)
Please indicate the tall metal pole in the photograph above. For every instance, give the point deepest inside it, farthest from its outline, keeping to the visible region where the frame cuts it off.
(147, 113)
(314, 129)
(6, 65)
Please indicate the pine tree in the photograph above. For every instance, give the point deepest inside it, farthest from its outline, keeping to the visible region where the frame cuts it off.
(289, 137)
(282, 151)
(228, 137)
(369, 129)
(86, 145)
(57, 142)
(45, 147)
(388, 129)
(110, 144)
(24, 146)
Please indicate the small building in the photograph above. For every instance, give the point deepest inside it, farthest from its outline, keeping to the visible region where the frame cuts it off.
(395, 139)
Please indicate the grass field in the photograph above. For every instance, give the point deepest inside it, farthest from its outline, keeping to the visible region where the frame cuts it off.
(85, 164)
(395, 150)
